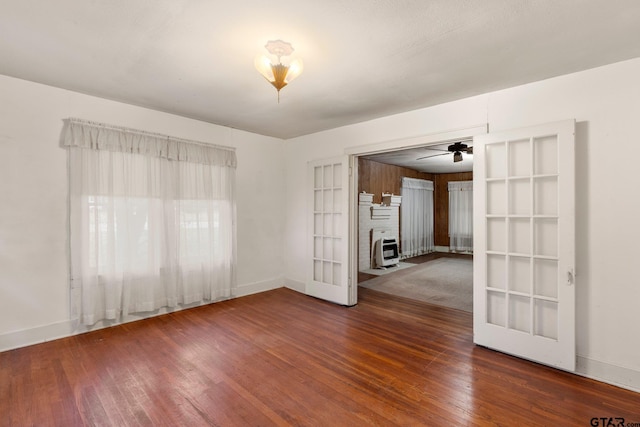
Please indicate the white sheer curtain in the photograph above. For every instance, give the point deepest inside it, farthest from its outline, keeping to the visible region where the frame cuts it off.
(461, 216)
(152, 221)
(416, 218)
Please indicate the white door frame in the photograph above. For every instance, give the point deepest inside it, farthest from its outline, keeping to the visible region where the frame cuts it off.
(383, 147)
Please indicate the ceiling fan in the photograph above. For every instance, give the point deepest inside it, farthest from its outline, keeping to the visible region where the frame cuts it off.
(456, 149)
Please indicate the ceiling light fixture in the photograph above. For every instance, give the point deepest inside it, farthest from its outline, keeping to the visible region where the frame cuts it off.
(456, 149)
(272, 68)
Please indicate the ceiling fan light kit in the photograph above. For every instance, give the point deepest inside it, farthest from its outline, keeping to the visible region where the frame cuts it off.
(456, 149)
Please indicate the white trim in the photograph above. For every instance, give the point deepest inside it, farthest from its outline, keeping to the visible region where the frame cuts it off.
(261, 286)
(611, 374)
(353, 214)
(444, 249)
(294, 285)
(37, 335)
(67, 328)
(432, 138)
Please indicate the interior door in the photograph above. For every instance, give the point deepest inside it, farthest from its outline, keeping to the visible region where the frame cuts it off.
(524, 243)
(328, 231)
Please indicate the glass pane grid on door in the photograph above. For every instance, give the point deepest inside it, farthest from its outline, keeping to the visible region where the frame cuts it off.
(327, 218)
(522, 235)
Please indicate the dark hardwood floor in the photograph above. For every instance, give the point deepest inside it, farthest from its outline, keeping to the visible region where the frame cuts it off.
(282, 358)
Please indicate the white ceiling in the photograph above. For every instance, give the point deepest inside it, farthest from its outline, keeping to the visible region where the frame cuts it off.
(363, 59)
(438, 161)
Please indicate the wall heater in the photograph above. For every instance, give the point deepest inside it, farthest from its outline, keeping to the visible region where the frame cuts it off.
(387, 252)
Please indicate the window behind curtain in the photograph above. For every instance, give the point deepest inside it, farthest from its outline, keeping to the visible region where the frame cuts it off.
(152, 221)
(416, 217)
(461, 216)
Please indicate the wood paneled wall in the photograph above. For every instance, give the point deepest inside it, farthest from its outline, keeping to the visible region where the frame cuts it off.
(441, 204)
(376, 178)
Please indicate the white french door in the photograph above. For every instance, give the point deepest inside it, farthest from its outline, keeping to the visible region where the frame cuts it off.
(328, 230)
(524, 243)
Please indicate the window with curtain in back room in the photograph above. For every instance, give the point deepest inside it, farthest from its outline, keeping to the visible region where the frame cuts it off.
(461, 216)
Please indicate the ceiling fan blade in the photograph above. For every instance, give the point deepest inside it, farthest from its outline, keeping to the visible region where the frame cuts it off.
(435, 155)
(435, 149)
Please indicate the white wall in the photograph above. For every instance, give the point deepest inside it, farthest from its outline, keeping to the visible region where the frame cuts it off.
(604, 101)
(606, 105)
(34, 296)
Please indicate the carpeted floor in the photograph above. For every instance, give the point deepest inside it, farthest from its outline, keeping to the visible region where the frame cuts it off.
(388, 270)
(443, 281)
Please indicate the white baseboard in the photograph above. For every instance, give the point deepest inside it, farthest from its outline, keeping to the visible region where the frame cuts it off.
(294, 285)
(67, 328)
(444, 249)
(261, 286)
(37, 335)
(607, 373)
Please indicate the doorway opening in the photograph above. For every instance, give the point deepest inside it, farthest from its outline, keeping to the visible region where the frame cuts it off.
(524, 295)
(434, 272)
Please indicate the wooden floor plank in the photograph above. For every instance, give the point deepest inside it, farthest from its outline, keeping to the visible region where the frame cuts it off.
(281, 358)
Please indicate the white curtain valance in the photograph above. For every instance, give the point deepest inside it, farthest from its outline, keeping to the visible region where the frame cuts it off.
(417, 184)
(98, 136)
(461, 186)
